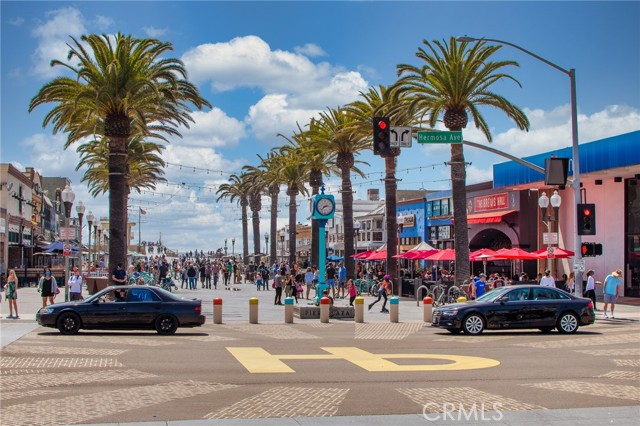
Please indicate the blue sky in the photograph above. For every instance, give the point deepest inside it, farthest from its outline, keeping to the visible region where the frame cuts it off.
(265, 65)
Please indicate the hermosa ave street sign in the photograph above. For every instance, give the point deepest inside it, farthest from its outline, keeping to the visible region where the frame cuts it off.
(439, 137)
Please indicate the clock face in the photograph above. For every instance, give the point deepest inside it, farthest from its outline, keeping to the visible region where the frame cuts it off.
(324, 206)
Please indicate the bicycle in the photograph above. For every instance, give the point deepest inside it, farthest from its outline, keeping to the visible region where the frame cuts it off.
(438, 293)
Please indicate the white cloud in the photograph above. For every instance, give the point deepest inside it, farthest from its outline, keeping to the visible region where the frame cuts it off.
(310, 50)
(102, 23)
(273, 115)
(212, 129)
(53, 34)
(155, 32)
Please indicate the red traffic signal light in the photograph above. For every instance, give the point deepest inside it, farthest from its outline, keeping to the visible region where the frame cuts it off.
(382, 124)
(381, 142)
(586, 219)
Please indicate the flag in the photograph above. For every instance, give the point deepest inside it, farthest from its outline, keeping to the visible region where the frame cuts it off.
(142, 211)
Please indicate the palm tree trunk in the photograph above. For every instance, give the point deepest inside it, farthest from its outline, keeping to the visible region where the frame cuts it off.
(347, 209)
(255, 218)
(117, 202)
(274, 226)
(392, 222)
(245, 232)
(461, 233)
(293, 211)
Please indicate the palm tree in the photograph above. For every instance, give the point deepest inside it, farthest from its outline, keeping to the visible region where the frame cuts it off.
(454, 81)
(144, 165)
(381, 102)
(333, 131)
(255, 180)
(237, 191)
(122, 85)
(292, 171)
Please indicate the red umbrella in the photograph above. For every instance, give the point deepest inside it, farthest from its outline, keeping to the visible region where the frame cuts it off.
(558, 253)
(485, 252)
(377, 255)
(416, 254)
(516, 253)
(363, 255)
(440, 255)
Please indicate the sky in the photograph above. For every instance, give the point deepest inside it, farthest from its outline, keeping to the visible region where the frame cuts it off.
(267, 66)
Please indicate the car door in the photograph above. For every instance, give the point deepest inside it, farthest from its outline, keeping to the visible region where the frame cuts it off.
(510, 310)
(107, 311)
(544, 306)
(143, 306)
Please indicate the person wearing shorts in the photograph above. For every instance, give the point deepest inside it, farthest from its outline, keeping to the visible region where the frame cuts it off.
(331, 279)
(342, 278)
(612, 285)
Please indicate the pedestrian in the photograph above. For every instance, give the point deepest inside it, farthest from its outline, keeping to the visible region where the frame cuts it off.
(571, 282)
(308, 280)
(75, 285)
(288, 285)
(547, 280)
(183, 276)
(215, 271)
(277, 284)
(202, 270)
(590, 289)
(207, 275)
(479, 286)
(11, 294)
(612, 285)
(342, 278)
(191, 276)
(352, 290)
(119, 275)
(385, 285)
(48, 287)
(331, 279)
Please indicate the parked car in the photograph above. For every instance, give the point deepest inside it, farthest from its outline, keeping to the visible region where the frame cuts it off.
(514, 307)
(124, 308)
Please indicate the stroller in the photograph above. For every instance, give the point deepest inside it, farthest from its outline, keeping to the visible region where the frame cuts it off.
(167, 284)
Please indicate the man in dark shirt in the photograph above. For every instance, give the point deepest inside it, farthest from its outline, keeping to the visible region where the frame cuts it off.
(119, 275)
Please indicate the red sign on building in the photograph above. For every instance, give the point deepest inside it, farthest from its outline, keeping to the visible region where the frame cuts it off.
(491, 202)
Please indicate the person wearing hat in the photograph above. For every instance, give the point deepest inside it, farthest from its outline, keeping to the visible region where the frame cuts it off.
(612, 285)
(547, 280)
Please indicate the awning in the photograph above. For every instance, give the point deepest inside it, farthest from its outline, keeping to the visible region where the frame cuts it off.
(492, 217)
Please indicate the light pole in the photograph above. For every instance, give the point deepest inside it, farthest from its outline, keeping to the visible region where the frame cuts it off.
(233, 248)
(543, 203)
(99, 246)
(225, 246)
(400, 221)
(266, 241)
(89, 223)
(95, 243)
(80, 209)
(282, 233)
(356, 227)
(67, 196)
(576, 152)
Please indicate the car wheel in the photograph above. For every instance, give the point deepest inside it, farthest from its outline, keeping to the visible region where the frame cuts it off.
(568, 323)
(546, 329)
(68, 323)
(166, 324)
(473, 324)
(454, 330)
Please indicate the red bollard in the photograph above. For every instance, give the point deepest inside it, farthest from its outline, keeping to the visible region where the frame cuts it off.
(217, 310)
(427, 303)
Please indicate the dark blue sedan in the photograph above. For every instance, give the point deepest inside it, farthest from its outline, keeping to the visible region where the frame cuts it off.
(124, 308)
(513, 307)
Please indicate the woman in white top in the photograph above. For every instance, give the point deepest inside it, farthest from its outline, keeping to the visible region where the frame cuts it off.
(75, 285)
(571, 282)
(590, 289)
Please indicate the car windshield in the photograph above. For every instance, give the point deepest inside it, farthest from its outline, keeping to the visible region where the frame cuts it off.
(492, 295)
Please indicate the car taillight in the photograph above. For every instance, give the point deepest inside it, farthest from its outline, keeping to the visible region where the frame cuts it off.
(198, 308)
(590, 305)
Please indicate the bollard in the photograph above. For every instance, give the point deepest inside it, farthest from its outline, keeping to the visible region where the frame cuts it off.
(288, 310)
(462, 299)
(253, 310)
(325, 306)
(394, 307)
(427, 304)
(217, 310)
(359, 317)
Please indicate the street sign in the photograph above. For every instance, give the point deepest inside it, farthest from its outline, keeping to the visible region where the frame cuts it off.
(66, 250)
(549, 238)
(67, 233)
(400, 137)
(578, 265)
(439, 137)
(550, 251)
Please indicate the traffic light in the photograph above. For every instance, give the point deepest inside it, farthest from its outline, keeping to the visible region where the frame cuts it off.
(33, 219)
(381, 141)
(586, 219)
(597, 249)
(588, 249)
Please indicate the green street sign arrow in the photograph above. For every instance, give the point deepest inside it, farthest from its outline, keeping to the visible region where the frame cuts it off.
(439, 137)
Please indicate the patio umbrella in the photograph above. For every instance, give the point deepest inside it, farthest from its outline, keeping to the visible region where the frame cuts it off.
(516, 254)
(420, 254)
(558, 253)
(475, 255)
(363, 255)
(440, 255)
(334, 258)
(377, 255)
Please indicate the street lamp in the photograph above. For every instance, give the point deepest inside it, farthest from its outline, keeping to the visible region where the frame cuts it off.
(90, 218)
(282, 233)
(356, 227)
(400, 222)
(543, 203)
(80, 209)
(574, 139)
(67, 196)
(99, 246)
(266, 241)
(233, 248)
(95, 242)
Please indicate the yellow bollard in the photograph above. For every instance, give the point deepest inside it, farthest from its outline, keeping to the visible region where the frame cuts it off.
(359, 308)
(394, 308)
(288, 310)
(253, 310)
(217, 310)
(325, 306)
(462, 299)
(427, 304)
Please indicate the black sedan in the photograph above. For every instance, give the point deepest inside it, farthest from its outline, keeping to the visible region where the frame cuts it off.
(513, 307)
(124, 308)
